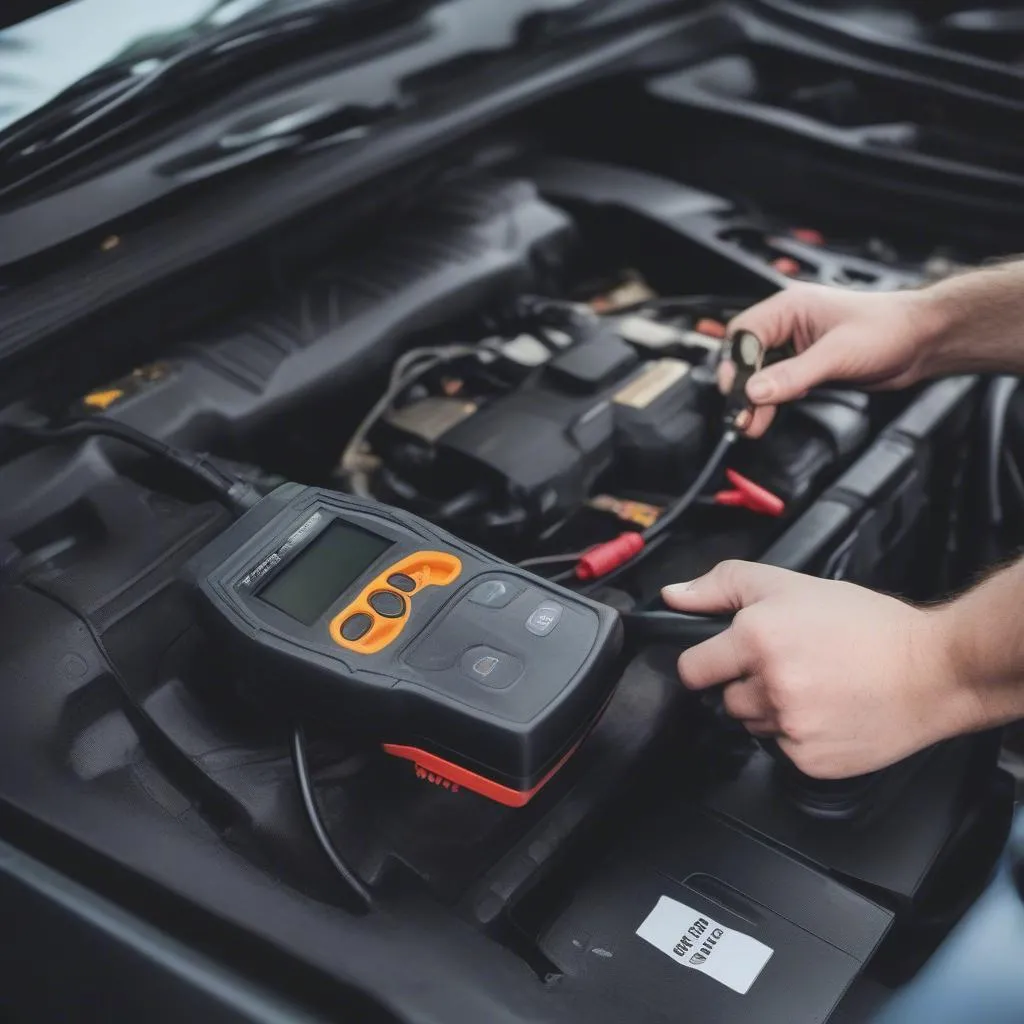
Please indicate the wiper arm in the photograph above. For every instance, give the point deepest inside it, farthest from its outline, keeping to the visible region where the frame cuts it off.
(116, 98)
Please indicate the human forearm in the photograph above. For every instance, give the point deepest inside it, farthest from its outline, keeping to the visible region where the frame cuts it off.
(973, 322)
(982, 634)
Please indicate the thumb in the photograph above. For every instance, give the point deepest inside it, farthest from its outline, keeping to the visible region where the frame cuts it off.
(793, 378)
(730, 586)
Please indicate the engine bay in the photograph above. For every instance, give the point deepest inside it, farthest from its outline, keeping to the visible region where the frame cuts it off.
(523, 349)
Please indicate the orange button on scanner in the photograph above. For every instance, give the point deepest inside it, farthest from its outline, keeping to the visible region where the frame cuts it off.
(386, 601)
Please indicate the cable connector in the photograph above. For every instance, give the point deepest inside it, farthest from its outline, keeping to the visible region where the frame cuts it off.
(237, 495)
(605, 558)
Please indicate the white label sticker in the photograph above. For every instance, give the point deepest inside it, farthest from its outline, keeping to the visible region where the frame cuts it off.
(301, 533)
(694, 940)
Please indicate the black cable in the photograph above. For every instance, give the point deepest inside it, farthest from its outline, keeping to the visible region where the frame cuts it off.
(235, 495)
(736, 405)
(678, 508)
(654, 535)
(302, 773)
(238, 497)
(543, 560)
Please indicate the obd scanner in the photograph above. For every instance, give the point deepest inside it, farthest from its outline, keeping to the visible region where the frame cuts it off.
(365, 618)
(371, 620)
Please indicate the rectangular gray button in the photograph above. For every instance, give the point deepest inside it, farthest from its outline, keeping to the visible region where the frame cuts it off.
(544, 618)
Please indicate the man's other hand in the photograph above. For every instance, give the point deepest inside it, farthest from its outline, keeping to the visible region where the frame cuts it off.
(849, 681)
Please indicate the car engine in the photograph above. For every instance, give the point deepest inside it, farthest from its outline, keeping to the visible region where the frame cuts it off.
(524, 349)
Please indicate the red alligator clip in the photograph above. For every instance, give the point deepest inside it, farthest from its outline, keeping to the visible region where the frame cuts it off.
(748, 495)
(604, 558)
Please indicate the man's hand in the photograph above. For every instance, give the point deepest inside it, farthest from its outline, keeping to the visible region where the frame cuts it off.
(850, 681)
(969, 323)
(871, 339)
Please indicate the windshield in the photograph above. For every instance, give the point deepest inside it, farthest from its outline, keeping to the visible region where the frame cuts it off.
(45, 55)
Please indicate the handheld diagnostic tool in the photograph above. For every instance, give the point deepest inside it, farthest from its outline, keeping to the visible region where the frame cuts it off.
(478, 672)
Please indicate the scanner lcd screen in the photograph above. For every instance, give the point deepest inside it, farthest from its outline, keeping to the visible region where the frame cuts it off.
(330, 564)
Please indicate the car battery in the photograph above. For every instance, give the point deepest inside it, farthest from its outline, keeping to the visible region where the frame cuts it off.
(697, 920)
